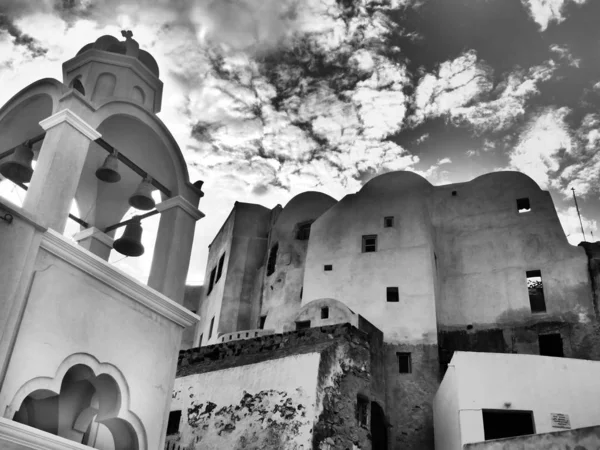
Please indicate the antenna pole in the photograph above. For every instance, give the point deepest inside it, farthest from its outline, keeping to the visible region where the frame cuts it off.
(579, 215)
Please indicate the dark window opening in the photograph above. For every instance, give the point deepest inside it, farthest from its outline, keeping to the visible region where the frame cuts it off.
(388, 222)
(498, 424)
(523, 205)
(200, 341)
(78, 86)
(551, 344)
(327, 267)
(535, 288)
(362, 411)
(301, 290)
(220, 269)
(262, 321)
(392, 294)
(303, 232)
(211, 283)
(325, 313)
(173, 424)
(272, 259)
(378, 428)
(454, 193)
(303, 325)
(369, 243)
(404, 363)
(212, 324)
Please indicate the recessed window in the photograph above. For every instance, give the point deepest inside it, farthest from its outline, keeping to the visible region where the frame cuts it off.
(211, 284)
(404, 363)
(551, 344)
(272, 259)
(212, 324)
(303, 232)
(454, 193)
(262, 321)
(388, 222)
(392, 294)
(327, 267)
(498, 424)
(301, 291)
(523, 205)
(362, 411)
(325, 313)
(220, 267)
(535, 289)
(173, 424)
(369, 243)
(303, 325)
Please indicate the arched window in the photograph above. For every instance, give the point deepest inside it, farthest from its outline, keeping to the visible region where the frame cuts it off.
(78, 86)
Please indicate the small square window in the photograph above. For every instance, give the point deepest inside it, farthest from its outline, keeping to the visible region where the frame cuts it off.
(454, 193)
(362, 411)
(325, 313)
(551, 344)
(369, 243)
(404, 363)
(327, 267)
(392, 294)
(388, 222)
(303, 232)
(173, 424)
(303, 325)
(523, 205)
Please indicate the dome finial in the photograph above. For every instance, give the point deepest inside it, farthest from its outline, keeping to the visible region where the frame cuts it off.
(132, 48)
(127, 34)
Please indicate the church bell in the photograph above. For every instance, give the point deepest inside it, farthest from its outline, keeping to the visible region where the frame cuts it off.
(17, 167)
(109, 172)
(142, 197)
(130, 244)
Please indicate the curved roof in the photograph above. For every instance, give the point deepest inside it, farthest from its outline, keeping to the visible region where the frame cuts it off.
(396, 181)
(504, 176)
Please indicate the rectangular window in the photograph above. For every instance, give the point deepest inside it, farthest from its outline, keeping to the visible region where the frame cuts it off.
(535, 288)
(303, 232)
(212, 324)
(362, 411)
(272, 259)
(303, 325)
(173, 424)
(369, 243)
(220, 269)
(327, 267)
(388, 222)
(523, 205)
(498, 424)
(262, 321)
(325, 313)
(551, 344)
(212, 279)
(392, 294)
(404, 363)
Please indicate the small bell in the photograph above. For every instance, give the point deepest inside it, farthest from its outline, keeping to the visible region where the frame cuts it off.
(109, 171)
(142, 197)
(17, 167)
(130, 244)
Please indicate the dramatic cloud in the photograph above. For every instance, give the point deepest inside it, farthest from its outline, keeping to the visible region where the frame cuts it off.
(546, 11)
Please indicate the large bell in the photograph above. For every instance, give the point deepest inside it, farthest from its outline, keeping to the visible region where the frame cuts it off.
(142, 197)
(17, 167)
(109, 172)
(130, 244)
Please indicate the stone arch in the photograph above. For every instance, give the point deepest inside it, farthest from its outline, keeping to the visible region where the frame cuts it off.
(105, 86)
(379, 428)
(338, 312)
(81, 386)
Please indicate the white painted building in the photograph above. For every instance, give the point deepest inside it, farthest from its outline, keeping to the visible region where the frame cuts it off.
(487, 396)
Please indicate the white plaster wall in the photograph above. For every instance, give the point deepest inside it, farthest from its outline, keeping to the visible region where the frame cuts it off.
(446, 414)
(404, 257)
(71, 312)
(295, 375)
(541, 384)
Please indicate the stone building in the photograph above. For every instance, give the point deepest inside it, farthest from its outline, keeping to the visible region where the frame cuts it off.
(88, 353)
(480, 266)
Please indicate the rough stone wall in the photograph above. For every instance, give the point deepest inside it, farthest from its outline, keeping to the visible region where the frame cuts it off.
(410, 396)
(580, 439)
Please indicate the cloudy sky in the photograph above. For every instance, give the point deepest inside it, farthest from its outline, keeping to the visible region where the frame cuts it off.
(270, 98)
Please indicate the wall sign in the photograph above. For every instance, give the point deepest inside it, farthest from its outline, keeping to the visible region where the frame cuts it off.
(560, 420)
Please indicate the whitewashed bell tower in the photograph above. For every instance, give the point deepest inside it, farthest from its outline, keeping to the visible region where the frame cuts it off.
(87, 353)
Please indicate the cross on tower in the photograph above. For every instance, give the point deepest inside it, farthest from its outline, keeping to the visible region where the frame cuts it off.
(127, 34)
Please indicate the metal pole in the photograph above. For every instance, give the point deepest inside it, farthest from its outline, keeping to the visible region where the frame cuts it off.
(579, 215)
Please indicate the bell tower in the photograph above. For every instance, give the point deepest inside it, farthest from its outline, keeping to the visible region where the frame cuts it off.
(88, 353)
(109, 69)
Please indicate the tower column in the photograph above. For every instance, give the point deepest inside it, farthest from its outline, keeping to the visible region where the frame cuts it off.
(56, 176)
(173, 247)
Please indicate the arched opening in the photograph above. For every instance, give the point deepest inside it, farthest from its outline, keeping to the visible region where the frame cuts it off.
(105, 86)
(84, 411)
(378, 428)
(78, 86)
